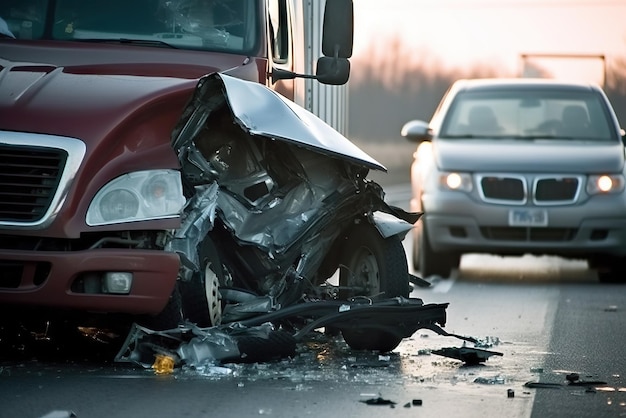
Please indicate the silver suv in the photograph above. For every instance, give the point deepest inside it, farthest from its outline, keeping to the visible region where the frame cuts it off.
(516, 166)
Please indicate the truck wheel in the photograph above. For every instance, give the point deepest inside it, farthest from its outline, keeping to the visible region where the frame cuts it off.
(169, 318)
(373, 266)
(431, 262)
(201, 298)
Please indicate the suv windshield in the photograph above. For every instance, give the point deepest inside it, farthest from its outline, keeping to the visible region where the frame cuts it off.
(528, 114)
(217, 25)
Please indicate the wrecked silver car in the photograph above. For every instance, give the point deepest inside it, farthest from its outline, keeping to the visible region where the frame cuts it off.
(278, 205)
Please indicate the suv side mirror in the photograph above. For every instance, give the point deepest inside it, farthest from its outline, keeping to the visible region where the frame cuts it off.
(416, 131)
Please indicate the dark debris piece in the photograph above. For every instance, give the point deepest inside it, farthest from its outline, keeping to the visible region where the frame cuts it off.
(546, 385)
(378, 401)
(468, 355)
(571, 381)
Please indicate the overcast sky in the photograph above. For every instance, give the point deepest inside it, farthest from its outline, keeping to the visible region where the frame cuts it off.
(496, 32)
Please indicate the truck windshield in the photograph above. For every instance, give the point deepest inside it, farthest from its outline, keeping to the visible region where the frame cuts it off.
(216, 25)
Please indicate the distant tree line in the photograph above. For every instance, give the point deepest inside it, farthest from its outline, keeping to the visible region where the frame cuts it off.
(385, 92)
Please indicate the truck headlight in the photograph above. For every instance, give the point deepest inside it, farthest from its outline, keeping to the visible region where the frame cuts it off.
(137, 196)
(605, 184)
(456, 181)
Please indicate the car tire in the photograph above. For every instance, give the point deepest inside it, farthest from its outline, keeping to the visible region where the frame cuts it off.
(201, 300)
(379, 266)
(276, 345)
(415, 255)
(432, 262)
(610, 269)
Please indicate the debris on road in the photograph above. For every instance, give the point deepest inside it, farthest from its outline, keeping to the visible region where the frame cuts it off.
(60, 414)
(378, 401)
(497, 380)
(198, 347)
(262, 338)
(470, 356)
(547, 385)
(572, 379)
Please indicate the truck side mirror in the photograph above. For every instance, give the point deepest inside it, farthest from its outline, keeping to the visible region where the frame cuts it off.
(334, 71)
(337, 41)
(338, 29)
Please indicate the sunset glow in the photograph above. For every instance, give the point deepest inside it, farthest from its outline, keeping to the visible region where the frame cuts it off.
(459, 33)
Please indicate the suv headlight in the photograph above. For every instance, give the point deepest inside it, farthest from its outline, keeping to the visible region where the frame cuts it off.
(605, 184)
(455, 181)
(137, 196)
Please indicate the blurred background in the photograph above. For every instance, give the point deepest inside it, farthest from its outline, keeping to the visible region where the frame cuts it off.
(407, 53)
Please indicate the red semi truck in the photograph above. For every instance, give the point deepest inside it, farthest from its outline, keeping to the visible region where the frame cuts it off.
(90, 92)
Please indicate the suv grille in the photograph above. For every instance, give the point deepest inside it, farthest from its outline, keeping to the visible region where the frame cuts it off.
(29, 178)
(546, 190)
(503, 188)
(551, 190)
(528, 234)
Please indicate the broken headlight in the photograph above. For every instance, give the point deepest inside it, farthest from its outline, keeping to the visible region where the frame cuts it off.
(137, 196)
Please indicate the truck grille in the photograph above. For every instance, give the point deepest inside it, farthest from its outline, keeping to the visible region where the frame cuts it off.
(29, 178)
(546, 190)
(36, 171)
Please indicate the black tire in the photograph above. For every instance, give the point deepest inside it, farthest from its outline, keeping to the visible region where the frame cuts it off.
(415, 257)
(169, 318)
(431, 262)
(252, 349)
(610, 269)
(201, 300)
(378, 268)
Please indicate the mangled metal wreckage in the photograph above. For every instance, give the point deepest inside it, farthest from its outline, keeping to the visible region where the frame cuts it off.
(278, 204)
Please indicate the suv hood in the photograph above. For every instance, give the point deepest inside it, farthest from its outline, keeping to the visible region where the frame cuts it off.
(565, 156)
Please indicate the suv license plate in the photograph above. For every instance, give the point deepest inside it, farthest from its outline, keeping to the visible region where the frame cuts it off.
(528, 217)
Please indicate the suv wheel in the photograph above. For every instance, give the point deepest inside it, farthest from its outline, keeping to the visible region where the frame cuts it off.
(610, 269)
(431, 262)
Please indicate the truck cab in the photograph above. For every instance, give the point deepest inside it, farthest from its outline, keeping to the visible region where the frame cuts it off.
(90, 91)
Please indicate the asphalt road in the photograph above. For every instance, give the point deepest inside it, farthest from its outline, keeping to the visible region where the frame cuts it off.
(548, 318)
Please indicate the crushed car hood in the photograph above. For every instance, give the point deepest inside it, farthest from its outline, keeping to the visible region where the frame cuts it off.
(287, 121)
(524, 155)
